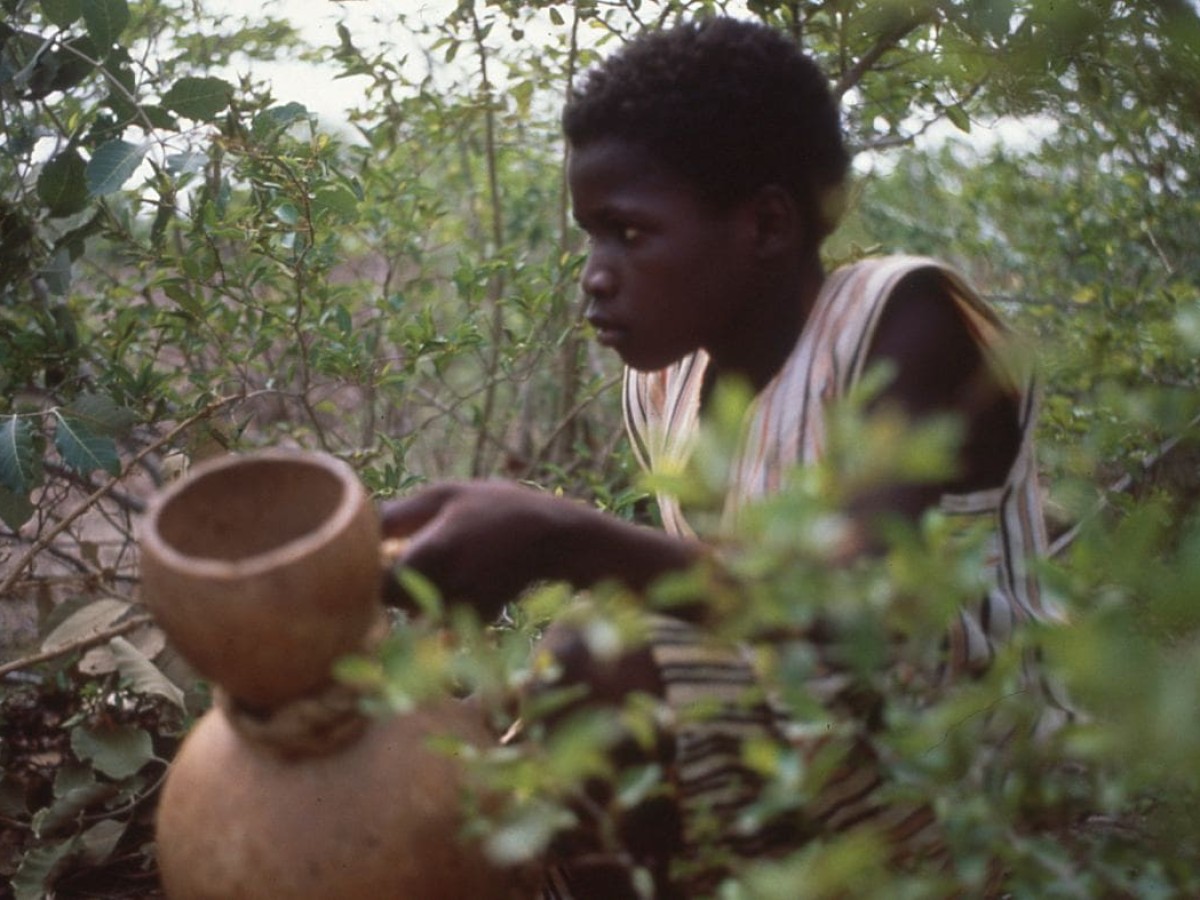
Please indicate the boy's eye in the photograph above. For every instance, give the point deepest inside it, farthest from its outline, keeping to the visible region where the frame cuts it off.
(630, 233)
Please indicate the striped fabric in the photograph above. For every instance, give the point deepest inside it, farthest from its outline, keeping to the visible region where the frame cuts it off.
(717, 705)
(786, 427)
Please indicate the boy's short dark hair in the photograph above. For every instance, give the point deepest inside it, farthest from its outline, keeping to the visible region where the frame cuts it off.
(729, 105)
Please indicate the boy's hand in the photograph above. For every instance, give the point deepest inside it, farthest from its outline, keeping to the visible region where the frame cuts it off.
(482, 542)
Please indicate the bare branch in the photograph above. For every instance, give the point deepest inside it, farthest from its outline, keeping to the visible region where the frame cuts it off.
(885, 42)
(1122, 484)
(83, 643)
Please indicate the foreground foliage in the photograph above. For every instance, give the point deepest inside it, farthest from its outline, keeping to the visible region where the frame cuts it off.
(189, 264)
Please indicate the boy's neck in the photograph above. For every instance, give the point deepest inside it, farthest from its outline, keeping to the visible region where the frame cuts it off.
(769, 328)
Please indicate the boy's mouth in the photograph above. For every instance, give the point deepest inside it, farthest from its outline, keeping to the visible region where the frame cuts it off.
(608, 336)
(607, 333)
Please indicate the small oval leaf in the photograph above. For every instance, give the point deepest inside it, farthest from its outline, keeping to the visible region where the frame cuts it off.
(62, 184)
(112, 165)
(198, 98)
(277, 118)
(958, 118)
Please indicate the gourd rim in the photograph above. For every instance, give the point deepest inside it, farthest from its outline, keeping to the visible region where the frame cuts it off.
(287, 552)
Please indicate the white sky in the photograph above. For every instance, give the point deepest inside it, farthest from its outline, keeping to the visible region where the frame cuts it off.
(370, 20)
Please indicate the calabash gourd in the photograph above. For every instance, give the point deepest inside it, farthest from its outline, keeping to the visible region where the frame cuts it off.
(263, 570)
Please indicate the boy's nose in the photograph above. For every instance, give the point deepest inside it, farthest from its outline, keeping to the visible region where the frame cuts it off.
(597, 278)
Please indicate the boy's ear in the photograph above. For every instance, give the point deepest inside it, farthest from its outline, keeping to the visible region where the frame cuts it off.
(776, 221)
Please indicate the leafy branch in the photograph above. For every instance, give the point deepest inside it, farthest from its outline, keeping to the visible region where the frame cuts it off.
(46, 538)
(83, 643)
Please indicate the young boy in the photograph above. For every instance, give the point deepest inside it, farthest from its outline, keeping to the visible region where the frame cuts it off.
(707, 167)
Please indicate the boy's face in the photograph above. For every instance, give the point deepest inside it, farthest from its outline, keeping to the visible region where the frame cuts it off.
(666, 274)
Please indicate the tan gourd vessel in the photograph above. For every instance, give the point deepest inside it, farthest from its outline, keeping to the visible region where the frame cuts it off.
(263, 570)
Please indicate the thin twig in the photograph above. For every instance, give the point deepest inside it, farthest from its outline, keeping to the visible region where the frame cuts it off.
(1122, 484)
(496, 279)
(83, 643)
(125, 501)
(885, 42)
(566, 420)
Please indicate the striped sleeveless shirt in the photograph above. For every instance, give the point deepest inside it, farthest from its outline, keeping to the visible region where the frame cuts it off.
(786, 427)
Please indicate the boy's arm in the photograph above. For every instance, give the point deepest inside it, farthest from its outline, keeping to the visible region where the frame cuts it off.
(939, 370)
(482, 542)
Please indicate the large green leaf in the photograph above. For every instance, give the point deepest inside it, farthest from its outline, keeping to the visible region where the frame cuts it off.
(83, 450)
(62, 12)
(112, 165)
(338, 200)
(198, 98)
(98, 842)
(105, 20)
(143, 675)
(62, 184)
(35, 878)
(73, 795)
(117, 751)
(87, 621)
(103, 415)
(18, 460)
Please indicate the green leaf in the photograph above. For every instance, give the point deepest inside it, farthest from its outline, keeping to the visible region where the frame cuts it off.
(105, 20)
(277, 118)
(958, 118)
(73, 777)
(143, 676)
(71, 801)
(35, 878)
(102, 415)
(288, 214)
(117, 751)
(82, 450)
(18, 462)
(177, 290)
(89, 620)
(62, 184)
(198, 98)
(112, 165)
(15, 509)
(338, 200)
(98, 842)
(159, 117)
(62, 12)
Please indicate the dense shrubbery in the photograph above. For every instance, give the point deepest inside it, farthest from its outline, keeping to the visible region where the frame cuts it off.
(188, 264)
